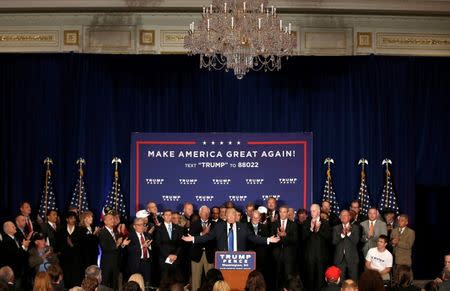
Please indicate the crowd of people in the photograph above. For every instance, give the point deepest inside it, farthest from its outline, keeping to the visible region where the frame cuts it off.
(312, 249)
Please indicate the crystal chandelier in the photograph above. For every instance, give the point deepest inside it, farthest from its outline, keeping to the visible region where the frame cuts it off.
(240, 35)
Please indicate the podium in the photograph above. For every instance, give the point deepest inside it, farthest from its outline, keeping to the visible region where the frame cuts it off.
(235, 267)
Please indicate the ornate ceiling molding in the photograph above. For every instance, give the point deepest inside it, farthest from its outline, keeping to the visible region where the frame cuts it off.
(384, 7)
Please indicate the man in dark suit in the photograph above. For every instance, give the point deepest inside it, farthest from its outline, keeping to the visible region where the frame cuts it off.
(31, 224)
(168, 241)
(138, 260)
(345, 240)
(391, 221)
(261, 230)
(272, 212)
(153, 219)
(231, 235)
(316, 236)
(201, 255)
(247, 216)
(215, 214)
(332, 218)
(355, 206)
(285, 251)
(50, 229)
(14, 254)
(21, 233)
(110, 243)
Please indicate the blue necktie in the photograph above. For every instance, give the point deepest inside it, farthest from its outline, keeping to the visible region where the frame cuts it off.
(231, 239)
(170, 231)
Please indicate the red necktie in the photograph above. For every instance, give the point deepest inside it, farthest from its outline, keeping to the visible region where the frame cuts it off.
(29, 227)
(371, 227)
(144, 249)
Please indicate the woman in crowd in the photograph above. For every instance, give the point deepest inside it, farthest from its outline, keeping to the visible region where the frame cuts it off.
(89, 239)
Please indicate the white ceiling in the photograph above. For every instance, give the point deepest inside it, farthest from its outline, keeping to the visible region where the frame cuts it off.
(392, 7)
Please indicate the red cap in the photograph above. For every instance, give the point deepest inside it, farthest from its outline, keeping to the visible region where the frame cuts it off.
(332, 274)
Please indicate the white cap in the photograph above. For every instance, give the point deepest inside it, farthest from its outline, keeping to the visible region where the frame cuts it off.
(142, 213)
(262, 209)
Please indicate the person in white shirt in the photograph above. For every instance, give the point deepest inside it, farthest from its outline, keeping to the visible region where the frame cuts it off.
(379, 258)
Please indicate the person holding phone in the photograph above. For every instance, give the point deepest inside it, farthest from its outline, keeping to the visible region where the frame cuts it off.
(41, 255)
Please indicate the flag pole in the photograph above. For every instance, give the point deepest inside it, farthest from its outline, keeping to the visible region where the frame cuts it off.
(80, 162)
(116, 161)
(47, 162)
(386, 162)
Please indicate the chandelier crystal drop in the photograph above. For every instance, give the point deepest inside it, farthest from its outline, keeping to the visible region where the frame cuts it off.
(240, 35)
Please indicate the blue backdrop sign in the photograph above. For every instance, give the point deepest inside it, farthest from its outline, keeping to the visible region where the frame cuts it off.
(211, 168)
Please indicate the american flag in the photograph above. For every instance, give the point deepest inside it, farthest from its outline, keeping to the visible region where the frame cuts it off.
(48, 199)
(363, 195)
(79, 196)
(328, 192)
(388, 198)
(115, 200)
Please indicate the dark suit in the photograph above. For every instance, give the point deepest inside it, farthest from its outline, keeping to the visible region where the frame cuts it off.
(272, 214)
(35, 227)
(331, 287)
(201, 256)
(136, 263)
(284, 252)
(333, 219)
(109, 262)
(168, 246)
(20, 235)
(316, 253)
(346, 256)
(301, 265)
(245, 218)
(14, 255)
(220, 234)
(70, 256)
(262, 230)
(360, 218)
(197, 249)
(50, 232)
(89, 247)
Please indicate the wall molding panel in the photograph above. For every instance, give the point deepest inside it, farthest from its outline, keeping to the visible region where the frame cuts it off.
(163, 33)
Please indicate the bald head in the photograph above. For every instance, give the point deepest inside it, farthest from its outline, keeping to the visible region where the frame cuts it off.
(9, 228)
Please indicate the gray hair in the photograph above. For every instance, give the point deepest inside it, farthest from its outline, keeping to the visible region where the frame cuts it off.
(5, 226)
(94, 272)
(138, 219)
(204, 207)
(315, 206)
